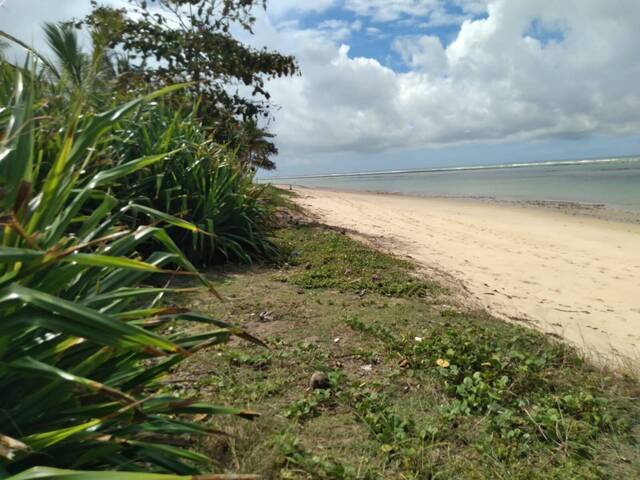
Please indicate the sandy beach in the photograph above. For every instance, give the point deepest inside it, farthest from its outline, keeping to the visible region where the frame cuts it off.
(571, 276)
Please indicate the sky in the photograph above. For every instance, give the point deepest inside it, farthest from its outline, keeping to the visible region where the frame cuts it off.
(392, 84)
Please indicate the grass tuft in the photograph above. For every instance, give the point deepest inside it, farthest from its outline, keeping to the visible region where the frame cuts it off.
(331, 259)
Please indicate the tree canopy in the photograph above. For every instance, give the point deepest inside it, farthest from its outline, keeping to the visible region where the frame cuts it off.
(170, 41)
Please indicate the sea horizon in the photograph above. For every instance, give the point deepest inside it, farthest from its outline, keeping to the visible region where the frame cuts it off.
(612, 182)
(454, 168)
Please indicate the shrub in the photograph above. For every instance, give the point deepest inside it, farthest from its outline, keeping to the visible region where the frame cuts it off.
(84, 336)
(202, 182)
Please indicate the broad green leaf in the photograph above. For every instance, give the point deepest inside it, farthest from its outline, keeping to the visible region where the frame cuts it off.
(11, 254)
(75, 319)
(94, 260)
(30, 366)
(40, 441)
(126, 293)
(108, 176)
(37, 473)
(165, 217)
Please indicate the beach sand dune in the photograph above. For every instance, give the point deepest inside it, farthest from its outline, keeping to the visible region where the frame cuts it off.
(572, 276)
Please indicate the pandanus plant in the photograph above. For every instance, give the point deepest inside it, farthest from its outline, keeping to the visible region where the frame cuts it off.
(204, 182)
(83, 333)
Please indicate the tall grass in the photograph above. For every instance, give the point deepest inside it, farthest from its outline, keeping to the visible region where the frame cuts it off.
(202, 182)
(84, 335)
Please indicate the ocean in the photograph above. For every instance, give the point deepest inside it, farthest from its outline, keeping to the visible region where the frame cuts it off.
(613, 183)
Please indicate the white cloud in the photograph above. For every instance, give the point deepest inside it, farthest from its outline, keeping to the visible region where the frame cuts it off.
(24, 18)
(439, 12)
(424, 53)
(492, 83)
(390, 10)
(476, 7)
(338, 30)
(498, 80)
(280, 8)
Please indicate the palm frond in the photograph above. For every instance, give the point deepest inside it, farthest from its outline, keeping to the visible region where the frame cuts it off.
(63, 40)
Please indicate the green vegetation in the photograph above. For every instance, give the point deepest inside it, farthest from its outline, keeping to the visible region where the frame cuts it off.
(80, 318)
(107, 195)
(204, 183)
(118, 355)
(332, 260)
(418, 388)
(156, 44)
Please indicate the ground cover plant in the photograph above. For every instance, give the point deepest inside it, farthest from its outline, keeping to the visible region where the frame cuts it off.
(417, 386)
(347, 266)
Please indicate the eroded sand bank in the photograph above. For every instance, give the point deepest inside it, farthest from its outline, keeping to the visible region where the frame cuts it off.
(576, 277)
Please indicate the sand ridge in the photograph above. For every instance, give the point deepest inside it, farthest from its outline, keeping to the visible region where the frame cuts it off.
(575, 277)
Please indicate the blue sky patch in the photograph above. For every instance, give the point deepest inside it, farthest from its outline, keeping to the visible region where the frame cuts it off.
(546, 32)
(372, 38)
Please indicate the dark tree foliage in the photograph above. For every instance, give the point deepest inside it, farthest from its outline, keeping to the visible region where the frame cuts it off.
(254, 145)
(171, 41)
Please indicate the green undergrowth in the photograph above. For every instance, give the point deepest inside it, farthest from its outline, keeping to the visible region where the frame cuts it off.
(418, 389)
(330, 259)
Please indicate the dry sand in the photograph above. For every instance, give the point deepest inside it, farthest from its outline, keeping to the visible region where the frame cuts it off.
(572, 276)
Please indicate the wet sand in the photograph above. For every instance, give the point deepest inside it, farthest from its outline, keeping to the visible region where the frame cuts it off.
(573, 276)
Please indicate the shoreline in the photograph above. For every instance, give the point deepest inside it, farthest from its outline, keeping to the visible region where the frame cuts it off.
(569, 274)
(599, 211)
